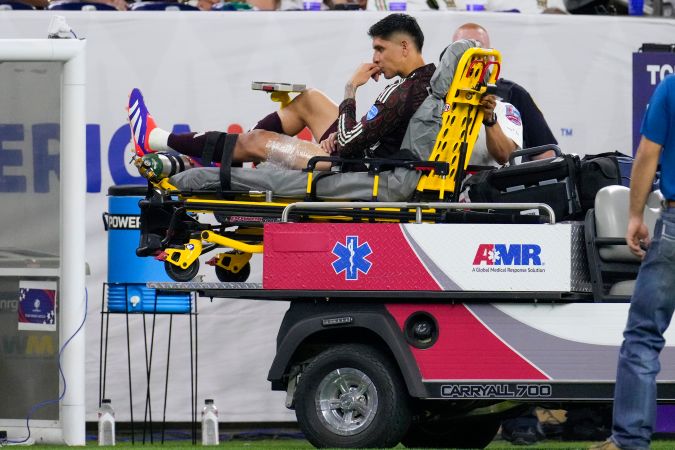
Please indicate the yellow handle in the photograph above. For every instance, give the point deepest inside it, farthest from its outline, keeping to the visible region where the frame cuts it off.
(281, 97)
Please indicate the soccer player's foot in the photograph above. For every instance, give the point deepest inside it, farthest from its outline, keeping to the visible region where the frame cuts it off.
(141, 123)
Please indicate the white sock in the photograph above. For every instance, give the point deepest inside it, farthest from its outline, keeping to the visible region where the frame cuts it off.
(158, 140)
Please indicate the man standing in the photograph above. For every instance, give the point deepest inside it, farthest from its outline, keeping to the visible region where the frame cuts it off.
(653, 301)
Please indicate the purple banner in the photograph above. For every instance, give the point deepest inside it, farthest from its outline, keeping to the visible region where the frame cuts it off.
(648, 70)
(37, 306)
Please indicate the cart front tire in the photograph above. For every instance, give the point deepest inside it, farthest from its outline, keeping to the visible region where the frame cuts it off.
(352, 396)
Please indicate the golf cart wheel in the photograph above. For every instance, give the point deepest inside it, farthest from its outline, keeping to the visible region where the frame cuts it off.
(351, 396)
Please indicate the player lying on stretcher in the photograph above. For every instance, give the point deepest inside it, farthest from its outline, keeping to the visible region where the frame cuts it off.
(397, 43)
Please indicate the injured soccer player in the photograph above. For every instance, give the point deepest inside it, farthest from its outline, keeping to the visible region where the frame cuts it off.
(397, 42)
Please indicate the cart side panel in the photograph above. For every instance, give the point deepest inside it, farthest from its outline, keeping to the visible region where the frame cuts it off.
(415, 257)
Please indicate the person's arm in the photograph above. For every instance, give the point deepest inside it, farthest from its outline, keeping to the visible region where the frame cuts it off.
(354, 136)
(40, 4)
(503, 128)
(641, 179)
(498, 144)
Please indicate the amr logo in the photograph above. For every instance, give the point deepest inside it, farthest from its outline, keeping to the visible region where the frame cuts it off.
(352, 258)
(508, 255)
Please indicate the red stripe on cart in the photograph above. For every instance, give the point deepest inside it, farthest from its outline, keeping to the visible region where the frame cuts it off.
(466, 348)
(313, 256)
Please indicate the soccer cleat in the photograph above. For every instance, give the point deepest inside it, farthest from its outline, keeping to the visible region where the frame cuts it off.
(141, 122)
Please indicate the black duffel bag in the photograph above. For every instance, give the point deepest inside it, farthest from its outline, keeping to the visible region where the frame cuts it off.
(596, 172)
(551, 181)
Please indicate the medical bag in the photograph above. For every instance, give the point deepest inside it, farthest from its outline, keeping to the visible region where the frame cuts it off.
(552, 181)
(598, 171)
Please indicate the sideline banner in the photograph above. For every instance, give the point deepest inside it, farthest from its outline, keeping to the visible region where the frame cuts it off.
(649, 68)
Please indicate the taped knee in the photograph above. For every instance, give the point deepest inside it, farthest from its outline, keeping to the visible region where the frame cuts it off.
(289, 153)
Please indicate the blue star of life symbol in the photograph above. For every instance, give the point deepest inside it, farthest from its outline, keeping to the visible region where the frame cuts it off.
(352, 258)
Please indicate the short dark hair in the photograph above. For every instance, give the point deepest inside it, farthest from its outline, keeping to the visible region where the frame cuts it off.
(395, 23)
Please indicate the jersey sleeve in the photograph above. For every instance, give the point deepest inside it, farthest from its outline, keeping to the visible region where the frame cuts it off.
(354, 136)
(510, 122)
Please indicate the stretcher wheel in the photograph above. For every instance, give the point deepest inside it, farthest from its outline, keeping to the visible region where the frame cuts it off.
(179, 274)
(227, 276)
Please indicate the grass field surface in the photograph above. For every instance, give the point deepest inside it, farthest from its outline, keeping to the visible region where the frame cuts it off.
(279, 444)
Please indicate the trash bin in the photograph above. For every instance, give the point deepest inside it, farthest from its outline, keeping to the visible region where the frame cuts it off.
(128, 273)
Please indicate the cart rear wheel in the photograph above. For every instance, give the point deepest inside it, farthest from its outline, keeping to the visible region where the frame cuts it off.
(179, 274)
(351, 395)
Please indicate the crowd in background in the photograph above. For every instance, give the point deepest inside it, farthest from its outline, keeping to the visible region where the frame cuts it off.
(603, 7)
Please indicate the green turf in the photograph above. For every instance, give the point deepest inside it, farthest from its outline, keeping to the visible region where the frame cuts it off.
(290, 444)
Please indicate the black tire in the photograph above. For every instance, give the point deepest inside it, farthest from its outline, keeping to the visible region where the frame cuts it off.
(179, 274)
(476, 432)
(385, 399)
(227, 276)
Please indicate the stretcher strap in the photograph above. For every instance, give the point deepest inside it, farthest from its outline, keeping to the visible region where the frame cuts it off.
(172, 161)
(181, 164)
(210, 146)
(227, 141)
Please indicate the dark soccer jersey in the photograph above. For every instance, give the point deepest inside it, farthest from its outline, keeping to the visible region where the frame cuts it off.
(380, 132)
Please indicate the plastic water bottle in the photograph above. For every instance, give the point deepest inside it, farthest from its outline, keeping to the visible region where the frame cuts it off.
(106, 423)
(210, 423)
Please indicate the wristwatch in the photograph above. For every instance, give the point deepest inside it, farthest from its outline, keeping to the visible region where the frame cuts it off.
(490, 123)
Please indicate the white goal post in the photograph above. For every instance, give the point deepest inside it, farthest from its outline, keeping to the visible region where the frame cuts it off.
(72, 224)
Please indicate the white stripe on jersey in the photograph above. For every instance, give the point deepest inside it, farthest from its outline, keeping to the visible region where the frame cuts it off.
(384, 95)
(350, 135)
